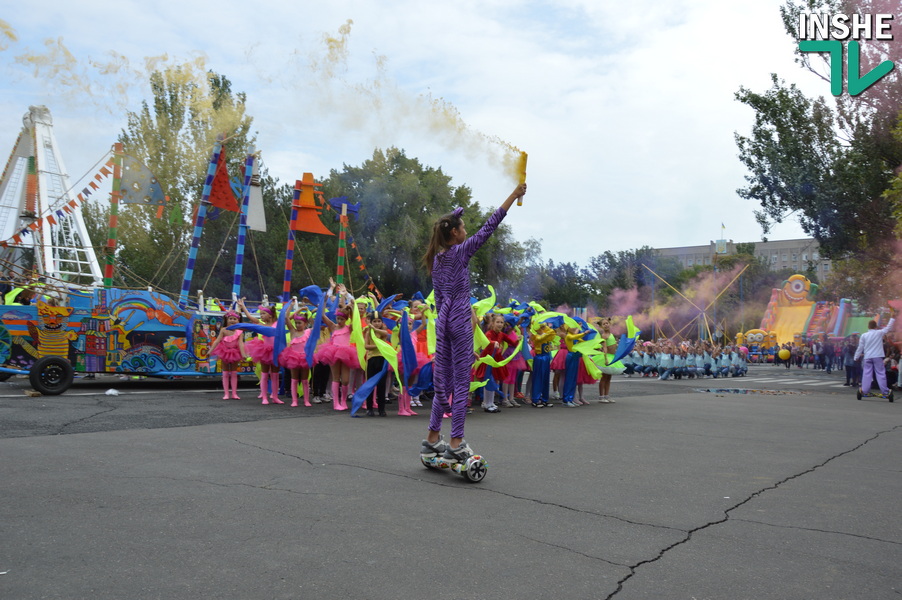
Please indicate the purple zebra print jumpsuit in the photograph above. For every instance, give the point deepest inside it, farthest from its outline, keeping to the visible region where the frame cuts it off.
(454, 328)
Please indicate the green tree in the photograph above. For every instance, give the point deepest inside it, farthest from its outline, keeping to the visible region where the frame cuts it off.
(829, 167)
(630, 269)
(400, 199)
(174, 134)
(564, 283)
(800, 166)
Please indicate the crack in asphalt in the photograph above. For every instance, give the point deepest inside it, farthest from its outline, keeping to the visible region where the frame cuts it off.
(816, 530)
(568, 549)
(752, 496)
(62, 427)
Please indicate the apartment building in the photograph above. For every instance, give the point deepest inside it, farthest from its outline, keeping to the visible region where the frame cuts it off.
(795, 255)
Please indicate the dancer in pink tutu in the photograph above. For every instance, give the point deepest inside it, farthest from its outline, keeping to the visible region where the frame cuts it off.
(229, 348)
(294, 357)
(340, 355)
(260, 351)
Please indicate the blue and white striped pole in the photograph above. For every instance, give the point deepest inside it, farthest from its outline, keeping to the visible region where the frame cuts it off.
(242, 224)
(199, 224)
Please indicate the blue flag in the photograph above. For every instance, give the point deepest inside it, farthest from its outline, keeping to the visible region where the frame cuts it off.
(408, 352)
(310, 346)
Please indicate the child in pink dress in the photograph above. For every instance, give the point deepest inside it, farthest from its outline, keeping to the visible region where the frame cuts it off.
(294, 357)
(340, 355)
(229, 347)
(260, 350)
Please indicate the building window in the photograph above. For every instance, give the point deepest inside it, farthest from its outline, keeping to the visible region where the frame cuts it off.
(785, 257)
(690, 262)
(773, 259)
(805, 256)
(826, 267)
(795, 256)
(814, 256)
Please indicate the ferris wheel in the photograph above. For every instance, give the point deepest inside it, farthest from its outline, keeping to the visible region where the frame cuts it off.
(41, 228)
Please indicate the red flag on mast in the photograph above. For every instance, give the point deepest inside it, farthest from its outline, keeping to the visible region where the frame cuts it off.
(221, 195)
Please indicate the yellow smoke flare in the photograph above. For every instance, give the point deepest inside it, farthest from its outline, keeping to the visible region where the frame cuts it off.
(521, 173)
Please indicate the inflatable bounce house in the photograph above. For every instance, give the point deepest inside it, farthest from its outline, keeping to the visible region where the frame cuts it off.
(794, 316)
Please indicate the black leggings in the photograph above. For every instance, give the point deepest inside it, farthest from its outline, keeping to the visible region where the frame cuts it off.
(321, 374)
(373, 366)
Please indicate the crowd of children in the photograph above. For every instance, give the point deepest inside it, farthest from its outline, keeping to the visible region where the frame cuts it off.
(702, 359)
(335, 343)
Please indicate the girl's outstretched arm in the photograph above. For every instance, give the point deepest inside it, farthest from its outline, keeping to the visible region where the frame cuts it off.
(469, 247)
(251, 318)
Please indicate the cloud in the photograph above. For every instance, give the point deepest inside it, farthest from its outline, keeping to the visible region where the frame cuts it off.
(627, 112)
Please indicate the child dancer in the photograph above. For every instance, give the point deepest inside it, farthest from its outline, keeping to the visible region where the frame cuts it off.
(559, 362)
(340, 355)
(447, 259)
(571, 368)
(294, 357)
(516, 365)
(229, 347)
(421, 344)
(375, 361)
(260, 349)
(541, 366)
(496, 336)
(610, 368)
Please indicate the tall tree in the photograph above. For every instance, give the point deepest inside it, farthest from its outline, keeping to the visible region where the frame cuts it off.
(829, 167)
(174, 134)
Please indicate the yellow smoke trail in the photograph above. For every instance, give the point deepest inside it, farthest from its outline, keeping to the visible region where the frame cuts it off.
(112, 81)
(7, 34)
(383, 102)
(95, 79)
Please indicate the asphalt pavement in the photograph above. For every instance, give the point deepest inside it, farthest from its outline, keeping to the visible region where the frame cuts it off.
(779, 485)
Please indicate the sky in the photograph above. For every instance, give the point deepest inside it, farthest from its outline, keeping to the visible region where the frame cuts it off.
(627, 111)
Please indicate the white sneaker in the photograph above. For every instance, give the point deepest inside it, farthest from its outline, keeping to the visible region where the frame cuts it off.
(317, 400)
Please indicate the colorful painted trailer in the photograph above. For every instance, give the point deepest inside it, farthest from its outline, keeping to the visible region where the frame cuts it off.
(101, 330)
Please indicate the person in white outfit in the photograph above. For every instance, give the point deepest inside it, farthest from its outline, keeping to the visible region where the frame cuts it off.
(870, 348)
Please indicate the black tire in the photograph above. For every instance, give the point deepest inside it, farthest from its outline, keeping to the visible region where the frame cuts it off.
(5, 376)
(51, 375)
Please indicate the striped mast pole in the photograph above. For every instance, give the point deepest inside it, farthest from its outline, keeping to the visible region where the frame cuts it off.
(242, 224)
(342, 246)
(199, 223)
(113, 237)
(289, 248)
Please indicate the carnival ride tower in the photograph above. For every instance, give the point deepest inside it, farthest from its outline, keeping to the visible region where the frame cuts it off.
(36, 210)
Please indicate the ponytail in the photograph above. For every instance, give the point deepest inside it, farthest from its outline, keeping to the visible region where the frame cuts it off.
(441, 237)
